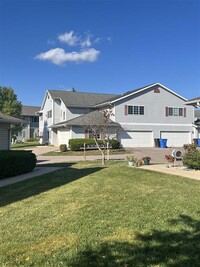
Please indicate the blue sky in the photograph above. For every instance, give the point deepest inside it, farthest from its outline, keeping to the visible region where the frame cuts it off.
(99, 46)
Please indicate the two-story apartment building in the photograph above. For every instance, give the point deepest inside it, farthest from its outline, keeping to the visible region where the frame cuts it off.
(145, 114)
(31, 128)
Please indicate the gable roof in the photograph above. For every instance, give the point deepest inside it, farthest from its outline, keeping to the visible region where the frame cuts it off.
(30, 110)
(80, 99)
(133, 92)
(9, 119)
(195, 102)
(92, 118)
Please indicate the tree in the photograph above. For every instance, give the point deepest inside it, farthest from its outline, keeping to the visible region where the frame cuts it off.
(10, 105)
(99, 123)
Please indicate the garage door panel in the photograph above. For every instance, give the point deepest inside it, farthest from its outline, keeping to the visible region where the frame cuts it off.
(136, 139)
(63, 137)
(177, 139)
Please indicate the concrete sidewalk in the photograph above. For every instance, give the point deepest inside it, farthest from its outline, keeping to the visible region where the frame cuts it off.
(177, 170)
(36, 172)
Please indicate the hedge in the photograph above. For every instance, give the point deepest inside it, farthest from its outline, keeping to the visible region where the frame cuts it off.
(78, 143)
(14, 163)
(192, 160)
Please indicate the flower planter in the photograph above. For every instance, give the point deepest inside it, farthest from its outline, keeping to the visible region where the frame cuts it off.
(146, 161)
(131, 164)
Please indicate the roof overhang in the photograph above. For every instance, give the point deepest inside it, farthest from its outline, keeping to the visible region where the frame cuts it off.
(195, 102)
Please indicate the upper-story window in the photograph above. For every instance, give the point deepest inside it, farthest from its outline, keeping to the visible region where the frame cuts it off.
(63, 115)
(49, 114)
(172, 111)
(34, 119)
(136, 110)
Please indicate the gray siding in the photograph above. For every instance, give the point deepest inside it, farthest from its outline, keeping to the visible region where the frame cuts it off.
(154, 118)
(4, 136)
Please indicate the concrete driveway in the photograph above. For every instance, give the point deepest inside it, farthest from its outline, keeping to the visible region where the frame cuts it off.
(157, 155)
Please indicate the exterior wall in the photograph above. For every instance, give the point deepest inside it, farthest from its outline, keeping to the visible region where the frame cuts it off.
(154, 118)
(4, 136)
(44, 121)
(78, 132)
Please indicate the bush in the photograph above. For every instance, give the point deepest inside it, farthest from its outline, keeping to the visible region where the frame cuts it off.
(192, 160)
(115, 144)
(14, 163)
(190, 147)
(32, 140)
(63, 148)
(78, 143)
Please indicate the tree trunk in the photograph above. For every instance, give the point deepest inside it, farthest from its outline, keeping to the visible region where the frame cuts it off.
(101, 150)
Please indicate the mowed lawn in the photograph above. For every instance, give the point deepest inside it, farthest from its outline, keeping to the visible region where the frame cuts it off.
(89, 215)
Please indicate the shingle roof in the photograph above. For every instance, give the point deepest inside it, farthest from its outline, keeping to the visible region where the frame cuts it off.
(92, 118)
(30, 110)
(9, 119)
(80, 99)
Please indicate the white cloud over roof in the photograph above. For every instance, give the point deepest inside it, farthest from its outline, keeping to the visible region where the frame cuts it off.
(58, 56)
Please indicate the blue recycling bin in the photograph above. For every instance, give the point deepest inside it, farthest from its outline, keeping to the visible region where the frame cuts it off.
(198, 142)
(163, 143)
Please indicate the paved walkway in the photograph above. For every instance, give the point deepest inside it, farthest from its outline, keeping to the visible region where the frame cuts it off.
(177, 170)
(36, 172)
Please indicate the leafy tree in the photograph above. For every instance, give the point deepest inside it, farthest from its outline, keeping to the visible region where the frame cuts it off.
(98, 123)
(10, 105)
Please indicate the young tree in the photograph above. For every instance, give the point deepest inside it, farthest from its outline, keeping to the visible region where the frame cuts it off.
(99, 123)
(10, 105)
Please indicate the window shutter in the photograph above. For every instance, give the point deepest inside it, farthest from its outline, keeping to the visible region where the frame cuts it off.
(102, 135)
(166, 111)
(125, 110)
(184, 112)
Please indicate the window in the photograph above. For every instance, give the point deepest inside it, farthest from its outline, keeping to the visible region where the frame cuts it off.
(91, 134)
(34, 119)
(136, 110)
(63, 115)
(175, 111)
(49, 114)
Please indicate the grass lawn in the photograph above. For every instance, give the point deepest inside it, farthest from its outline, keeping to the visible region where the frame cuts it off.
(89, 152)
(25, 145)
(89, 215)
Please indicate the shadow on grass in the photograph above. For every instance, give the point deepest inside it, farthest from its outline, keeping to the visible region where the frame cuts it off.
(43, 183)
(157, 248)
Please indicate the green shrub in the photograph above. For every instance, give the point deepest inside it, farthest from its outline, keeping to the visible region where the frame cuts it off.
(32, 140)
(14, 163)
(63, 148)
(190, 147)
(78, 143)
(115, 144)
(192, 160)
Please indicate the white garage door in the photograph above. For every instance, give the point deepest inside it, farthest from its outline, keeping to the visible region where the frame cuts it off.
(136, 139)
(63, 137)
(177, 139)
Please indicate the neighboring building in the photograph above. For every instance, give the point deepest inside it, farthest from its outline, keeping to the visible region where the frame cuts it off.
(31, 117)
(145, 114)
(195, 102)
(5, 132)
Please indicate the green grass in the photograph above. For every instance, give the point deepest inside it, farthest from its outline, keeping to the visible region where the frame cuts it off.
(92, 152)
(25, 145)
(89, 215)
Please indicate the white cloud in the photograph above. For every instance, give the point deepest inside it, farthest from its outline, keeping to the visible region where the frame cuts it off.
(87, 42)
(58, 56)
(69, 38)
